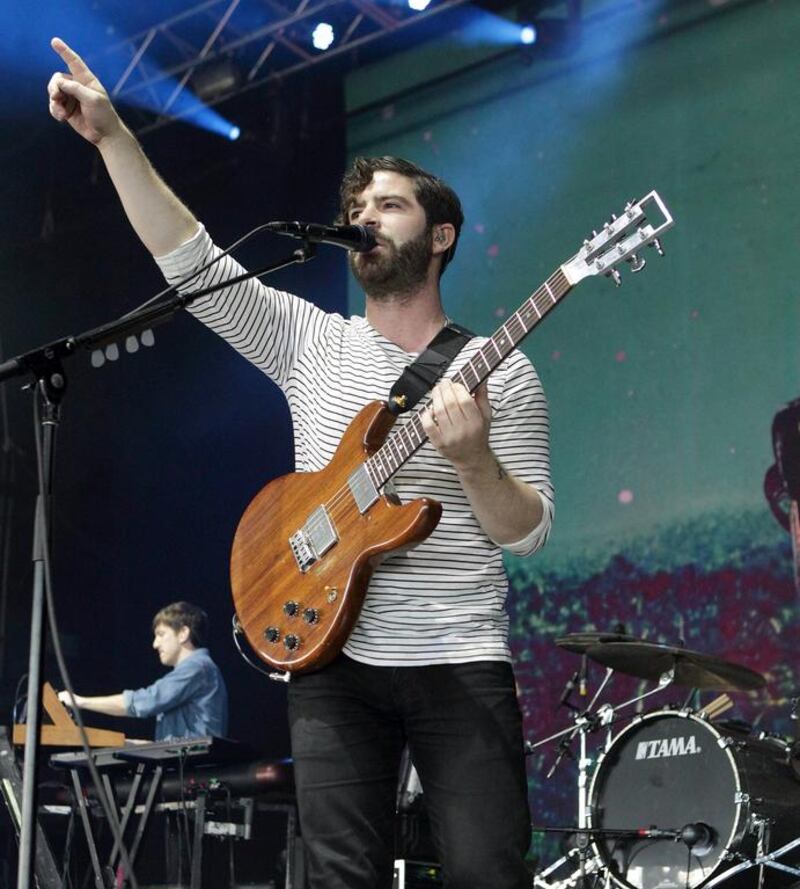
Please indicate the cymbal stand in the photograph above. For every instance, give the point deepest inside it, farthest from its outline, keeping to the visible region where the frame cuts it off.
(586, 722)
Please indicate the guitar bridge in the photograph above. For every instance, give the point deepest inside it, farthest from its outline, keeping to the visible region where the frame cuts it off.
(310, 543)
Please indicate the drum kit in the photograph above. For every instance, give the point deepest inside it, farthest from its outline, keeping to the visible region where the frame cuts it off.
(677, 799)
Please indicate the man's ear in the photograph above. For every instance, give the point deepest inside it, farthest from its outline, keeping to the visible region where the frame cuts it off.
(443, 237)
(184, 634)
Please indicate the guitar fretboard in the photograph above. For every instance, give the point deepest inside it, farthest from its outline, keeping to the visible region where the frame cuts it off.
(402, 443)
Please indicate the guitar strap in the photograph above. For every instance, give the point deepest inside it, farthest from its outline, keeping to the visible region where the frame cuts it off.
(427, 369)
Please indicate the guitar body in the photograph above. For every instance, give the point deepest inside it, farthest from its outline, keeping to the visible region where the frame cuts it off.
(298, 620)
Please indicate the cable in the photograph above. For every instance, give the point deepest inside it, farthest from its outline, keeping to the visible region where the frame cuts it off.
(19, 697)
(184, 281)
(43, 518)
(236, 630)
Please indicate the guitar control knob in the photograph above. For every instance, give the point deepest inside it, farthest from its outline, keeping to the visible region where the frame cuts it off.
(272, 634)
(291, 608)
(311, 615)
(292, 642)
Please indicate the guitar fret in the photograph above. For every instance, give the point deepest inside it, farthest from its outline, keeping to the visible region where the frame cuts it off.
(546, 285)
(482, 357)
(402, 439)
(370, 468)
(419, 434)
(395, 453)
(499, 353)
(469, 377)
(517, 327)
(503, 340)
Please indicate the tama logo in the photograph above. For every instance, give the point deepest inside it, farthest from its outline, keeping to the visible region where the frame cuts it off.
(667, 747)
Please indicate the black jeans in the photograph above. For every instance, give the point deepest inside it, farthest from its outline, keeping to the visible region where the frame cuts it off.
(349, 724)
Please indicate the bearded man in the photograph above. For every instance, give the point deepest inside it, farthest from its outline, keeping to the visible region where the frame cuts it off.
(427, 663)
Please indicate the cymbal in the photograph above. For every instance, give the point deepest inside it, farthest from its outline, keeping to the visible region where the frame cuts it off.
(579, 643)
(648, 660)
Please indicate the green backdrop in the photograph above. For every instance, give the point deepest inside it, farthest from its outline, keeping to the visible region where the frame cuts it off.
(661, 393)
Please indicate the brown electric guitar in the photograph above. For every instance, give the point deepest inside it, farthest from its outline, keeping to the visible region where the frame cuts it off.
(307, 544)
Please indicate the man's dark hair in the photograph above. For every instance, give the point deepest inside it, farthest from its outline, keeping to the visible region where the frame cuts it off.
(184, 614)
(437, 199)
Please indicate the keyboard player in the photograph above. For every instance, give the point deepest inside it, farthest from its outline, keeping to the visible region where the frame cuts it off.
(191, 699)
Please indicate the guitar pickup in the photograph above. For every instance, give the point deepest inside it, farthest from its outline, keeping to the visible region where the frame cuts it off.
(363, 489)
(310, 543)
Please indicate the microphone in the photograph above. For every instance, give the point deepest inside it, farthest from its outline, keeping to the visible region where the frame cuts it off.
(352, 237)
(698, 837)
(583, 678)
(568, 689)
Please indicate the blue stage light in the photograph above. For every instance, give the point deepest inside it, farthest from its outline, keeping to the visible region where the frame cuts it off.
(322, 36)
(419, 5)
(233, 133)
(527, 35)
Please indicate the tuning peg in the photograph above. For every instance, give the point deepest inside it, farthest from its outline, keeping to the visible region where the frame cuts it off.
(657, 244)
(637, 262)
(629, 211)
(615, 277)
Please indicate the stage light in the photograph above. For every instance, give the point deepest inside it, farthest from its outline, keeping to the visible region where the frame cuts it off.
(322, 36)
(527, 35)
(234, 132)
(419, 5)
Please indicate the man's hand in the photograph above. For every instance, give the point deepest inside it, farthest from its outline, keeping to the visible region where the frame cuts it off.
(79, 99)
(68, 701)
(458, 427)
(458, 424)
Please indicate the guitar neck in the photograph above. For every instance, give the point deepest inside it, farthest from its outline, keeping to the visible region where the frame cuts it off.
(403, 443)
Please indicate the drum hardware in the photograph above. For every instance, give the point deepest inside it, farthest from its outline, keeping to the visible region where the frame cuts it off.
(762, 861)
(587, 722)
(737, 790)
(707, 840)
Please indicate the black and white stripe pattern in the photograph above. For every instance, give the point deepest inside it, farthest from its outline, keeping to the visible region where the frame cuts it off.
(444, 601)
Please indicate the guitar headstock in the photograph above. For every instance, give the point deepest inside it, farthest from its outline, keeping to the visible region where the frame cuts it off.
(620, 240)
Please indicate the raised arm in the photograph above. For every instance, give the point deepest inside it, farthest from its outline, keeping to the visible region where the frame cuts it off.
(77, 98)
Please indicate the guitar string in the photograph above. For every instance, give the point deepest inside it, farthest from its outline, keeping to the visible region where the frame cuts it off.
(551, 293)
(344, 493)
(518, 319)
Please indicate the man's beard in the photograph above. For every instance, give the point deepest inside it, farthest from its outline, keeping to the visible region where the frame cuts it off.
(394, 271)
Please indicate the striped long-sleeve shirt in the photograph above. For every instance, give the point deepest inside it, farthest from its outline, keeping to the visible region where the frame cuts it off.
(444, 600)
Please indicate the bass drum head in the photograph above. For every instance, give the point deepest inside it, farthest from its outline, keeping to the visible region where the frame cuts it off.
(665, 770)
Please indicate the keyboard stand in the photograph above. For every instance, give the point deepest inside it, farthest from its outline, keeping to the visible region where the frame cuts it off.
(107, 877)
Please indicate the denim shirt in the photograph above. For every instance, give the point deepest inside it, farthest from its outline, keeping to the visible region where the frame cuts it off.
(189, 702)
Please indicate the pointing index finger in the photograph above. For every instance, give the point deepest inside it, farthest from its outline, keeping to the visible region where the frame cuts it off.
(72, 60)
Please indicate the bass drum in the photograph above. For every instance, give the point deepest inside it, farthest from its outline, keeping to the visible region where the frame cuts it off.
(669, 769)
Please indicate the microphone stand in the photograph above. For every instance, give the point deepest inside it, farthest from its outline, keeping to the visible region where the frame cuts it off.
(49, 385)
